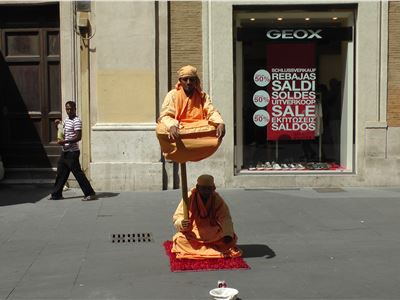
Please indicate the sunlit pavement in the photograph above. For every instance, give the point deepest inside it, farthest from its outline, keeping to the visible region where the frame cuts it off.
(300, 244)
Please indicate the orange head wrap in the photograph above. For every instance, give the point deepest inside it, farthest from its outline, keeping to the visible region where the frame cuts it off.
(188, 71)
(205, 180)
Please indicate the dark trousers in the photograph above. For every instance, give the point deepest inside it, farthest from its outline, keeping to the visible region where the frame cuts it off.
(69, 162)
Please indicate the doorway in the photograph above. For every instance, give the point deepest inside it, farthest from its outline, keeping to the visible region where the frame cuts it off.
(30, 85)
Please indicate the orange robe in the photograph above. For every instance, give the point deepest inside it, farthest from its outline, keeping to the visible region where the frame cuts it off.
(209, 224)
(196, 119)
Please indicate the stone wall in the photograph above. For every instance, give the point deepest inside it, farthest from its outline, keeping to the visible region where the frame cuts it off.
(125, 153)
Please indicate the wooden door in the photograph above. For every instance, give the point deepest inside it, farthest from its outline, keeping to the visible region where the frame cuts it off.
(30, 85)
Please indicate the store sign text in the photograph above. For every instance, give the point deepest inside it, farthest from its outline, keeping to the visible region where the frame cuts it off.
(290, 34)
(293, 99)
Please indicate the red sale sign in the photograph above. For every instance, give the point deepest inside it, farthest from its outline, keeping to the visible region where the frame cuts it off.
(292, 91)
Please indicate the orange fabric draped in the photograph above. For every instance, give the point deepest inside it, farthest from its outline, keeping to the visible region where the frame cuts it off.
(189, 110)
(210, 222)
(197, 135)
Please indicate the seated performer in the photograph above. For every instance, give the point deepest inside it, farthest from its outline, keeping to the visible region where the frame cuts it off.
(208, 233)
(189, 127)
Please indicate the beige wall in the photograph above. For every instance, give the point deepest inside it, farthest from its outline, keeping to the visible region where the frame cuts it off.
(125, 65)
(124, 91)
(125, 96)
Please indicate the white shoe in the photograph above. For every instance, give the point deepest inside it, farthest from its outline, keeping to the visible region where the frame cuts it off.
(90, 197)
(277, 167)
(268, 166)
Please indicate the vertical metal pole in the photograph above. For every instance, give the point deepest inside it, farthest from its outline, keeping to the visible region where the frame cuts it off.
(184, 191)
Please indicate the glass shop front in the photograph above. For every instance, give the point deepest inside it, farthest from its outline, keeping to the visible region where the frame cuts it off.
(294, 80)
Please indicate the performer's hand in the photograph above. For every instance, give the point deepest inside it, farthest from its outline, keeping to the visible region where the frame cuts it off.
(220, 131)
(173, 133)
(185, 224)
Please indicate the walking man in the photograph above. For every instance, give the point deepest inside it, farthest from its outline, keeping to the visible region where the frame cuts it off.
(69, 158)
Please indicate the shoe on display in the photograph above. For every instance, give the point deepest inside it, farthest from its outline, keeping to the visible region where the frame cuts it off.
(268, 165)
(276, 167)
(300, 167)
(318, 166)
(325, 166)
(252, 168)
(260, 166)
(285, 167)
(310, 166)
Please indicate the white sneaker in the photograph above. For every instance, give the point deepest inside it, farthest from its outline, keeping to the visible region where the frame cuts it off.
(268, 166)
(277, 167)
(90, 197)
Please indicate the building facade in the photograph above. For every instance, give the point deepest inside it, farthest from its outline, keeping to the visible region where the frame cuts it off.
(309, 90)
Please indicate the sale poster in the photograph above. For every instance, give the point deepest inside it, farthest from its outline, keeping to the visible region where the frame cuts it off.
(291, 90)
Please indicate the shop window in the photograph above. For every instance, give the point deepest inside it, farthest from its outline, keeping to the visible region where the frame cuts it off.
(294, 89)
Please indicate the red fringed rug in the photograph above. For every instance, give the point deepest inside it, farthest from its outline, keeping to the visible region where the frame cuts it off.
(209, 264)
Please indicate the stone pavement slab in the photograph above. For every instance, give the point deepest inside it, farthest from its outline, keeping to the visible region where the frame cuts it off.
(300, 244)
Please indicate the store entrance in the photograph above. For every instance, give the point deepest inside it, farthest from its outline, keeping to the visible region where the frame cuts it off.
(295, 87)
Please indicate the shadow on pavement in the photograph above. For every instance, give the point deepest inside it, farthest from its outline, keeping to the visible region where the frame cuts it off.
(257, 250)
(13, 194)
(98, 196)
(106, 195)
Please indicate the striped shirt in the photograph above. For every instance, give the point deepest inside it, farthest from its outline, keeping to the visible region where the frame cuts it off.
(71, 126)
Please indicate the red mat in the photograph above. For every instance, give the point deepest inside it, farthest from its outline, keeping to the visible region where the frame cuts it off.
(208, 264)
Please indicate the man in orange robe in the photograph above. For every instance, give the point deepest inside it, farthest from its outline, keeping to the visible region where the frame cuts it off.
(208, 233)
(189, 127)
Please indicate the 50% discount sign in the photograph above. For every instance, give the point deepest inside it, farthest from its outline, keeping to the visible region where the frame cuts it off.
(262, 77)
(261, 118)
(261, 98)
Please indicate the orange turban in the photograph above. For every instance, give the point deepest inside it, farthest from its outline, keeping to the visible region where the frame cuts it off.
(205, 180)
(187, 71)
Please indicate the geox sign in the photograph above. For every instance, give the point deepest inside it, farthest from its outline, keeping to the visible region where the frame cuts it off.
(295, 34)
(292, 34)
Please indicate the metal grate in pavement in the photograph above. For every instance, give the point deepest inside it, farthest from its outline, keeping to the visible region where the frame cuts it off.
(135, 238)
